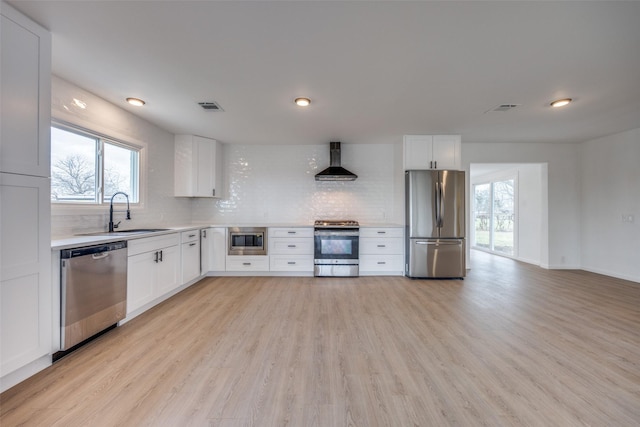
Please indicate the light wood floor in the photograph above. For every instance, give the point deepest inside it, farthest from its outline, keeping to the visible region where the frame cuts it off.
(512, 345)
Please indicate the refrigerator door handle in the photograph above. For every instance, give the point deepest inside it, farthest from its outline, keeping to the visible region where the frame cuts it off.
(439, 204)
(436, 195)
(438, 243)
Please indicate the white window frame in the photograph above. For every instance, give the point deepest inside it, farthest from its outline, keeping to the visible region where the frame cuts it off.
(74, 208)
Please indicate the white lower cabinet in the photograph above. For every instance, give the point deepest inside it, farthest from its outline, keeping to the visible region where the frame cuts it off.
(381, 251)
(25, 273)
(213, 249)
(291, 249)
(190, 255)
(152, 270)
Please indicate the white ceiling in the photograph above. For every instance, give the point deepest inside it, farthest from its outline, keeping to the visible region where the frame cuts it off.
(374, 70)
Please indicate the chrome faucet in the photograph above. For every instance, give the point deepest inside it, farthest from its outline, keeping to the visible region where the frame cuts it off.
(113, 226)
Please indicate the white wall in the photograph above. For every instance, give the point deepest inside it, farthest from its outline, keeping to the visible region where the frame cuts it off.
(560, 231)
(611, 189)
(530, 212)
(159, 207)
(271, 184)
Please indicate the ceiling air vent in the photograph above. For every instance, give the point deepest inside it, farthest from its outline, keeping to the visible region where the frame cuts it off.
(210, 106)
(503, 107)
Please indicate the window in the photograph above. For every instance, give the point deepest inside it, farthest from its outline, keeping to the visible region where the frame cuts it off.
(494, 216)
(89, 169)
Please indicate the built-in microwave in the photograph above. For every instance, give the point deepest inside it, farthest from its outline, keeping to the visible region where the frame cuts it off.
(247, 241)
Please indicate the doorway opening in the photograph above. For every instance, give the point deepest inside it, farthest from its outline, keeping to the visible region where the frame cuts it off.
(508, 210)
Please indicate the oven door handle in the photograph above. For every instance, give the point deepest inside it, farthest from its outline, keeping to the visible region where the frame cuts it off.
(337, 233)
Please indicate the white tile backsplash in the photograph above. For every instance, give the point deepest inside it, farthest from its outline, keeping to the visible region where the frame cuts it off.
(276, 184)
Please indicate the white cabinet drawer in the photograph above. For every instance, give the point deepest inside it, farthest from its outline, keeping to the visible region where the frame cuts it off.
(275, 232)
(190, 236)
(280, 246)
(292, 263)
(148, 244)
(381, 246)
(382, 263)
(247, 263)
(381, 232)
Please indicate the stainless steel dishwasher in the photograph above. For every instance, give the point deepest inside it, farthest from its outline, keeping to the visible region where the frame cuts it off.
(94, 291)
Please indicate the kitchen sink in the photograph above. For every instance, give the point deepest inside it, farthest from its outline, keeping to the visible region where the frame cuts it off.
(125, 232)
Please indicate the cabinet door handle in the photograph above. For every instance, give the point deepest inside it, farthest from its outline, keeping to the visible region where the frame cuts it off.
(246, 263)
(213, 192)
(155, 257)
(160, 256)
(204, 233)
(431, 164)
(435, 164)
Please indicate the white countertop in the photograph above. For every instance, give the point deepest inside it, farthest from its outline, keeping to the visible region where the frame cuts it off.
(85, 240)
(76, 241)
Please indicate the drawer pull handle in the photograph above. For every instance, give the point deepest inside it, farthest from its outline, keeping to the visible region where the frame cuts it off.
(291, 246)
(192, 235)
(291, 263)
(192, 244)
(382, 232)
(246, 263)
(382, 246)
(381, 262)
(292, 232)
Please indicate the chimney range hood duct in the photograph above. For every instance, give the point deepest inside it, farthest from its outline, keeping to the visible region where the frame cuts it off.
(335, 172)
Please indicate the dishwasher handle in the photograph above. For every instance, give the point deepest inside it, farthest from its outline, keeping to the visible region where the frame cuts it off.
(100, 255)
(90, 250)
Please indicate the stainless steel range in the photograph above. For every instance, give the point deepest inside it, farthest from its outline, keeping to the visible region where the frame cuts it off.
(336, 248)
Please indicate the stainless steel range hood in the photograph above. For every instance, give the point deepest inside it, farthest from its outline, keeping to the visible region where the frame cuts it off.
(335, 172)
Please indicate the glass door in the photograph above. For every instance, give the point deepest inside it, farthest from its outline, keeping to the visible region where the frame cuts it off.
(503, 217)
(494, 216)
(482, 216)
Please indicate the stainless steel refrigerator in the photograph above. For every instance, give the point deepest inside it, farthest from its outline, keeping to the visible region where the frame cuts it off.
(435, 226)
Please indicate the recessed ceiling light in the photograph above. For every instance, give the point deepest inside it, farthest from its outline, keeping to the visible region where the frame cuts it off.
(136, 101)
(561, 102)
(302, 102)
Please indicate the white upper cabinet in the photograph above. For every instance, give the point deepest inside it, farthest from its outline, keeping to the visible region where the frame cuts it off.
(197, 167)
(432, 152)
(26, 102)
